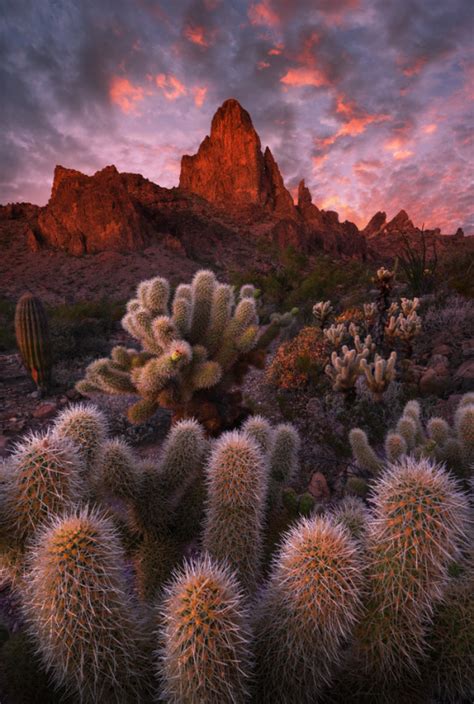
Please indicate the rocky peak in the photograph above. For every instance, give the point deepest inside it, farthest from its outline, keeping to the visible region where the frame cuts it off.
(304, 196)
(400, 223)
(376, 224)
(229, 169)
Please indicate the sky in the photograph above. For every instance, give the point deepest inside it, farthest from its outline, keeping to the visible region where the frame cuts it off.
(370, 101)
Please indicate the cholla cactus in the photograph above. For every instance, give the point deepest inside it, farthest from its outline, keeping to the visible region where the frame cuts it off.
(370, 314)
(322, 311)
(307, 611)
(43, 479)
(418, 527)
(437, 441)
(78, 611)
(335, 334)
(360, 345)
(353, 514)
(237, 478)
(363, 453)
(187, 351)
(118, 469)
(344, 370)
(205, 655)
(379, 374)
(450, 668)
(85, 426)
(260, 429)
(408, 305)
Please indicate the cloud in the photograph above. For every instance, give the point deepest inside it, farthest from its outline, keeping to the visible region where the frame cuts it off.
(298, 77)
(199, 93)
(124, 94)
(262, 13)
(171, 86)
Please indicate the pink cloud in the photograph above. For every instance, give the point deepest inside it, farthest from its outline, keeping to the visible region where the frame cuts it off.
(429, 129)
(262, 13)
(124, 94)
(199, 93)
(171, 86)
(198, 35)
(263, 65)
(276, 50)
(298, 77)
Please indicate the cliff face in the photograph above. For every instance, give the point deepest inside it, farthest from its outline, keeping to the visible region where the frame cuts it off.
(89, 214)
(230, 170)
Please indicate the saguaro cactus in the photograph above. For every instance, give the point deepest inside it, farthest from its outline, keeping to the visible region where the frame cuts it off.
(33, 339)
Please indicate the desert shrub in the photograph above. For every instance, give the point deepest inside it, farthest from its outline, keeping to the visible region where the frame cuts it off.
(456, 270)
(299, 361)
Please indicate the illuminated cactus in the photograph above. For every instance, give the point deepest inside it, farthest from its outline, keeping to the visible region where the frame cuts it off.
(182, 455)
(33, 339)
(379, 374)
(308, 610)
(237, 477)
(205, 343)
(322, 311)
(335, 334)
(344, 370)
(43, 479)
(86, 427)
(205, 655)
(78, 611)
(418, 527)
(464, 424)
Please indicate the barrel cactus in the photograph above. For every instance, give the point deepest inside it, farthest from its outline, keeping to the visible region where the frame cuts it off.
(33, 339)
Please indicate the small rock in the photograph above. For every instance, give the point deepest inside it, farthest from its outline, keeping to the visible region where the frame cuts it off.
(438, 360)
(34, 394)
(45, 410)
(318, 487)
(465, 375)
(445, 350)
(433, 383)
(468, 348)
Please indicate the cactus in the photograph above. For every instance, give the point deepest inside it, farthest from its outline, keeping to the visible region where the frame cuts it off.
(438, 441)
(283, 459)
(322, 311)
(204, 635)
(205, 344)
(379, 374)
(352, 513)
(237, 477)
(418, 528)
(78, 612)
(85, 426)
(44, 479)
(344, 370)
(117, 470)
(307, 611)
(363, 453)
(260, 429)
(450, 668)
(335, 334)
(182, 455)
(33, 339)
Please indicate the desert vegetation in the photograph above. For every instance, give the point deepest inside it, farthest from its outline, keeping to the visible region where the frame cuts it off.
(255, 491)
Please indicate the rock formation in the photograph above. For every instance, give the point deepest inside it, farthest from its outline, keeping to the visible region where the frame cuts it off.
(230, 170)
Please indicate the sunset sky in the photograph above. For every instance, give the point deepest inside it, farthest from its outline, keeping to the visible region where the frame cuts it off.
(369, 100)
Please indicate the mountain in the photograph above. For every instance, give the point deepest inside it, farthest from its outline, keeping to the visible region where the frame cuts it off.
(230, 205)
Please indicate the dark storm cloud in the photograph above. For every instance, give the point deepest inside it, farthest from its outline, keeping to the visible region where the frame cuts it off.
(331, 86)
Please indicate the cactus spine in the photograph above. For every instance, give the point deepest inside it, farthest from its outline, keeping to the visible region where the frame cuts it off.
(33, 339)
(418, 526)
(78, 611)
(85, 426)
(308, 610)
(205, 654)
(237, 487)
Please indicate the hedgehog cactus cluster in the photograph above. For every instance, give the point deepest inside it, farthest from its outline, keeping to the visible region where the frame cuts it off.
(453, 446)
(201, 340)
(365, 596)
